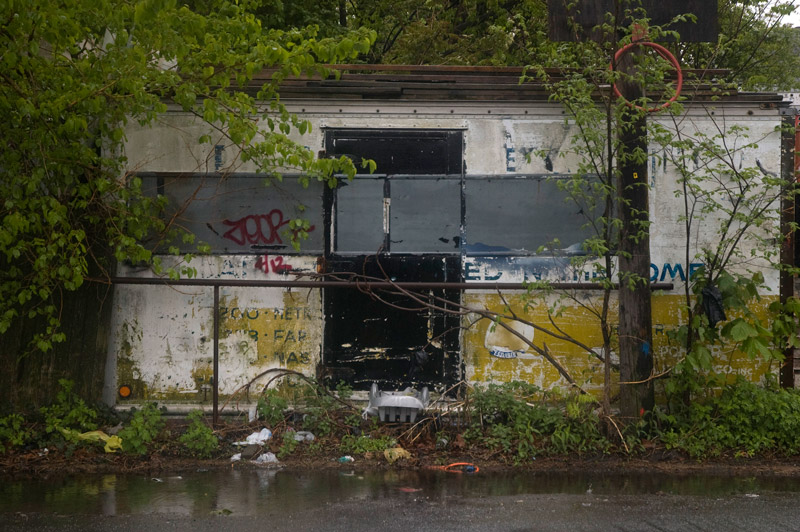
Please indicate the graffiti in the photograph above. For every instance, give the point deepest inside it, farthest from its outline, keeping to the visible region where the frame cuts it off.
(258, 229)
(275, 265)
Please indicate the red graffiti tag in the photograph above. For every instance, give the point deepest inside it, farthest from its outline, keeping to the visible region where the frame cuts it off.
(276, 265)
(256, 228)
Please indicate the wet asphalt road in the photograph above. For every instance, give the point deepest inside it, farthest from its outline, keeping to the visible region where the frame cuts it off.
(350, 500)
(414, 511)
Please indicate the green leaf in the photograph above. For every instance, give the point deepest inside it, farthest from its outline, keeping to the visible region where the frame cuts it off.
(739, 330)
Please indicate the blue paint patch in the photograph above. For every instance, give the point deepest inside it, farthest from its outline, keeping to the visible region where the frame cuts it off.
(511, 156)
(646, 349)
(218, 149)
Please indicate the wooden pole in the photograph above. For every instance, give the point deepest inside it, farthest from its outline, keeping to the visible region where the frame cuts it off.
(635, 314)
(790, 164)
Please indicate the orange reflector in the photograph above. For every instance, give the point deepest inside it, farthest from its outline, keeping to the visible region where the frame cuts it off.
(125, 391)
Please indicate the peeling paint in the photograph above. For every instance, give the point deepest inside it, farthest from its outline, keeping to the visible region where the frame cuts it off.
(163, 338)
(576, 321)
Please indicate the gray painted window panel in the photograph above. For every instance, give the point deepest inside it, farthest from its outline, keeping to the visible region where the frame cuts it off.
(240, 214)
(425, 216)
(517, 216)
(359, 216)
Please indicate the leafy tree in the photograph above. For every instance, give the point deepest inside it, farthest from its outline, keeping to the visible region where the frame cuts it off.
(754, 42)
(459, 32)
(741, 202)
(74, 74)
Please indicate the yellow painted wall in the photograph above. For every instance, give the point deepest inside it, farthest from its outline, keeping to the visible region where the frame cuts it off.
(578, 321)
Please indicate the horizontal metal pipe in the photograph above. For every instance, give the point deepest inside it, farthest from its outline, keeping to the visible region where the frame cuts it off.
(289, 283)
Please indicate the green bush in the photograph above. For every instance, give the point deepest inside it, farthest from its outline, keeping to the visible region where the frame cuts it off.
(520, 419)
(271, 407)
(361, 444)
(580, 430)
(68, 412)
(288, 445)
(321, 407)
(199, 439)
(13, 432)
(142, 429)
(744, 419)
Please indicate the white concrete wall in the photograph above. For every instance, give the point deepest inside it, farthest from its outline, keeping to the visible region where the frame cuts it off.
(162, 336)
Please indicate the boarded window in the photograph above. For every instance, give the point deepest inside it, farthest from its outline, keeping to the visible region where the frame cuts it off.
(359, 216)
(411, 209)
(241, 214)
(400, 151)
(425, 215)
(412, 204)
(520, 216)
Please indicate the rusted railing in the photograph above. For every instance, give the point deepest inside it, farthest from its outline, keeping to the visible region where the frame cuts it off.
(292, 283)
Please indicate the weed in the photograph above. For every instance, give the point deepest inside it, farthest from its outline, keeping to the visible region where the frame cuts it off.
(68, 412)
(580, 430)
(271, 407)
(344, 391)
(365, 444)
(13, 432)
(353, 420)
(321, 407)
(199, 439)
(515, 418)
(289, 444)
(502, 417)
(142, 429)
(745, 419)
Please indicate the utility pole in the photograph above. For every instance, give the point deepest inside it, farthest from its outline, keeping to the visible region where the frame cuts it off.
(635, 312)
(576, 20)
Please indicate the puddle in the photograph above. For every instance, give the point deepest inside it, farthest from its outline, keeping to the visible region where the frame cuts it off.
(263, 492)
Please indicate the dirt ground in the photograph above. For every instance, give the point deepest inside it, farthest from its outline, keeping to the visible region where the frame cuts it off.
(33, 464)
(168, 456)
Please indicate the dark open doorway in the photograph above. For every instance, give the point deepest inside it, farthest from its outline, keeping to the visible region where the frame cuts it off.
(405, 222)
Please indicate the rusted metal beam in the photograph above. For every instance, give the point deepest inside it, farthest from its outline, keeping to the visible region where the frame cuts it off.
(293, 283)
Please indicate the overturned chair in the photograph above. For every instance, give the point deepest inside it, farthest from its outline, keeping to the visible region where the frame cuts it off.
(396, 407)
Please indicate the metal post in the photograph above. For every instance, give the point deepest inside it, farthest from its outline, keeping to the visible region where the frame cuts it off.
(215, 396)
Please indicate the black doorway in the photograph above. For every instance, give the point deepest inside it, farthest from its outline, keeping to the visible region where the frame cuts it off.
(404, 221)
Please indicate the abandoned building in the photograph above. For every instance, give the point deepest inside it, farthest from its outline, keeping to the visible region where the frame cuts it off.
(464, 206)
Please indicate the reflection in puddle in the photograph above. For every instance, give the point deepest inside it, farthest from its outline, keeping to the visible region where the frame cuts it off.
(264, 492)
